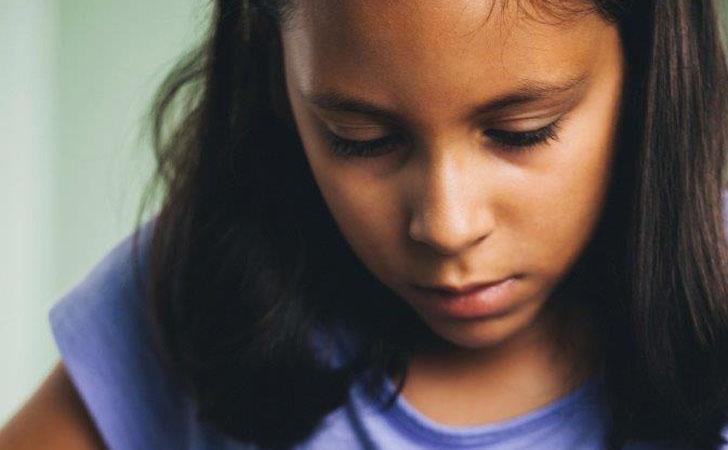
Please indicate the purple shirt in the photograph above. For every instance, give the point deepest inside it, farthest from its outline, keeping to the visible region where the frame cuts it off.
(105, 344)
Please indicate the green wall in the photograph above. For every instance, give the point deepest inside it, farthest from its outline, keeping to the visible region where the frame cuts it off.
(77, 79)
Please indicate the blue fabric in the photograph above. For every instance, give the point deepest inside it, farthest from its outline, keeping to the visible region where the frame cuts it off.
(105, 343)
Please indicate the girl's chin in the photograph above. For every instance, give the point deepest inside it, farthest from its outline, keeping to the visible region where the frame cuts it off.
(489, 332)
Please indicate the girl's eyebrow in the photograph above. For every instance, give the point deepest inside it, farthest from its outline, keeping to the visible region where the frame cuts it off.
(528, 91)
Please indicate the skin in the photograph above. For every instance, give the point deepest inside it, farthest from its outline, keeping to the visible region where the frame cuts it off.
(448, 205)
(54, 417)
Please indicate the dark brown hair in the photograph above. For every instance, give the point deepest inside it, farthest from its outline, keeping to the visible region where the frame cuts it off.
(246, 264)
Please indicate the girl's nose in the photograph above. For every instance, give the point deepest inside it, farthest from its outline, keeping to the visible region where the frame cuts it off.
(450, 208)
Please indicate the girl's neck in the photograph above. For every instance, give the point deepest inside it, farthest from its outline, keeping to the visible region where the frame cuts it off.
(456, 386)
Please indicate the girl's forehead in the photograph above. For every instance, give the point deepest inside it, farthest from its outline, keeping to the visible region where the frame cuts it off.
(476, 11)
(440, 52)
(445, 31)
(443, 19)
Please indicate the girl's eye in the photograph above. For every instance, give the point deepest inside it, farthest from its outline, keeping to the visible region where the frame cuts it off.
(524, 139)
(507, 140)
(365, 149)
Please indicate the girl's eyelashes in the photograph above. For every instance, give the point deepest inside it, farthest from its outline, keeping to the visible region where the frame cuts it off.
(524, 140)
(513, 141)
(352, 148)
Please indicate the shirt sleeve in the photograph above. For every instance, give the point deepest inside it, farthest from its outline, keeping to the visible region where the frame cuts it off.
(105, 343)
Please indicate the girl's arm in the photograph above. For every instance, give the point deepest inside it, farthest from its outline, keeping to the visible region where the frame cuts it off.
(54, 417)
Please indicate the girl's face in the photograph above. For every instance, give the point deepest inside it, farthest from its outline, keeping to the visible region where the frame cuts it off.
(458, 142)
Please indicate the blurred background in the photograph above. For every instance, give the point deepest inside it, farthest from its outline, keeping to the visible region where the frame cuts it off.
(76, 79)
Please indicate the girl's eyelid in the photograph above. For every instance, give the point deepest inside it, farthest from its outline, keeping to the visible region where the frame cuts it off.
(522, 125)
(371, 133)
(549, 113)
(510, 141)
(527, 124)
(352, 121)
(499, 137)
(534, 128)
(357, 132)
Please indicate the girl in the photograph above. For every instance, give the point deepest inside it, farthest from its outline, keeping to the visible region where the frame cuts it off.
(417, 224)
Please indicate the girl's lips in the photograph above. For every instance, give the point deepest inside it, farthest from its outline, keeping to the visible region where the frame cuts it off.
(467, 289)
(473, 301)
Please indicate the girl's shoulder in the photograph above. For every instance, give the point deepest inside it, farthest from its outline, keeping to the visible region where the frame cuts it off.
(101, 330)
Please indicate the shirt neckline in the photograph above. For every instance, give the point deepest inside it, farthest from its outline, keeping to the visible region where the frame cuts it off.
(405, 417)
